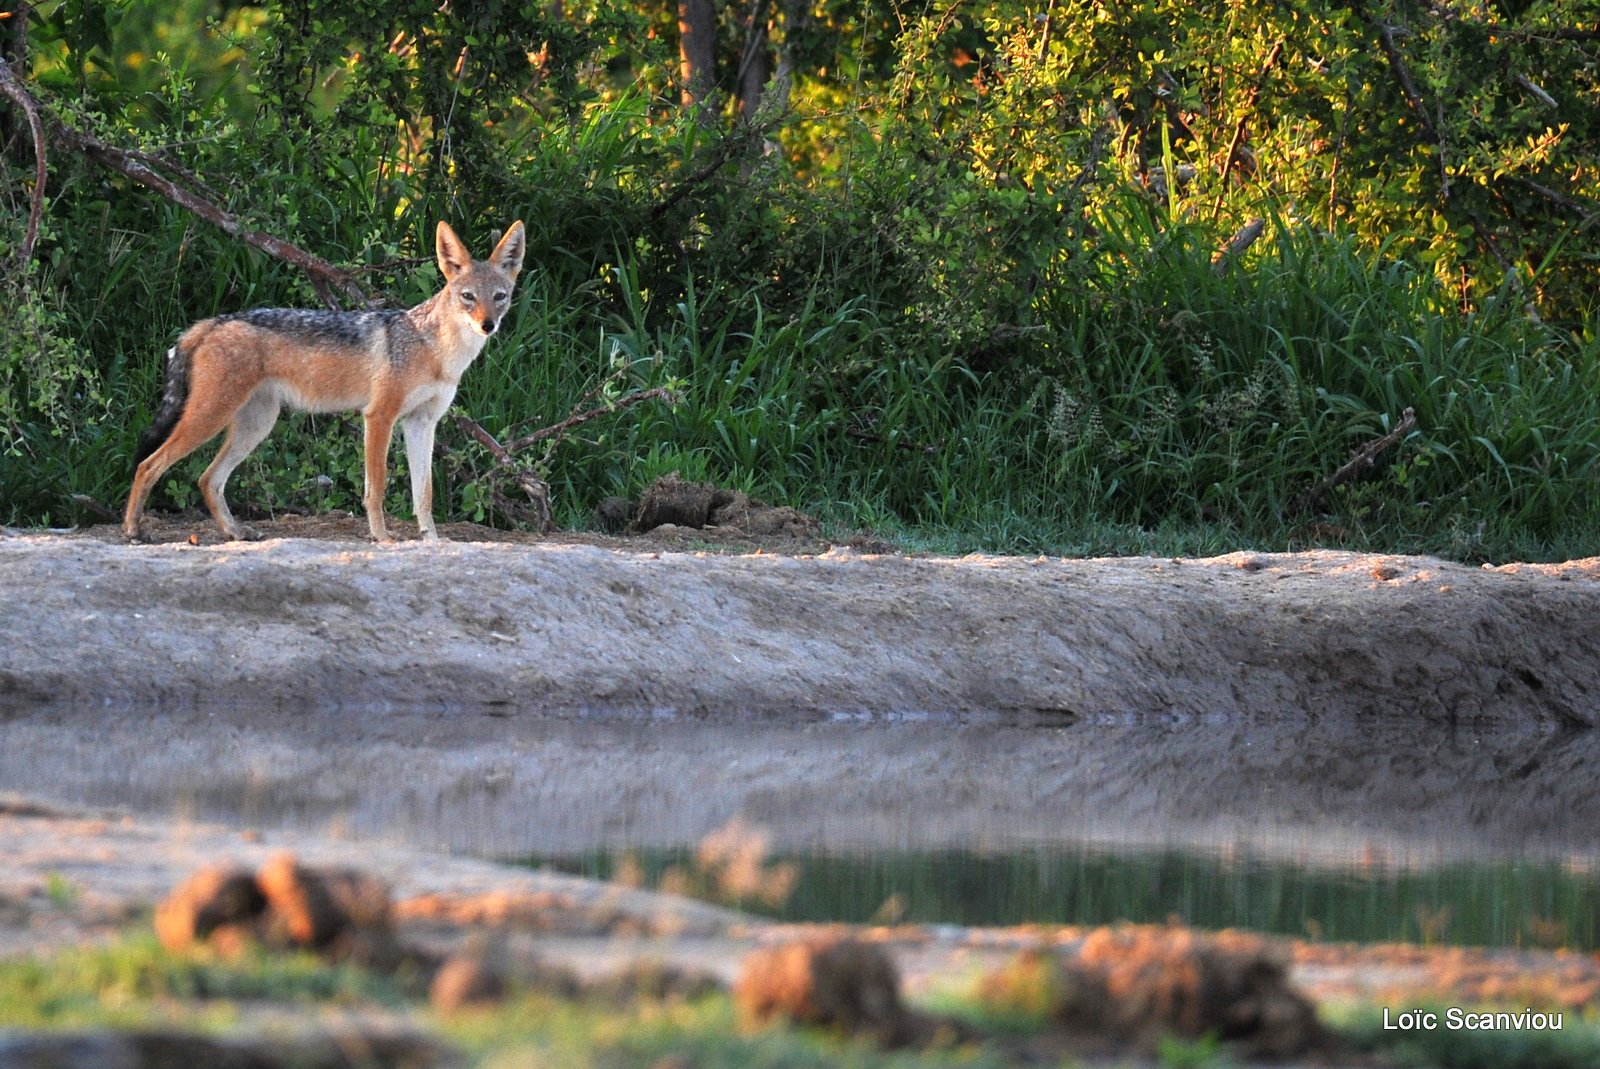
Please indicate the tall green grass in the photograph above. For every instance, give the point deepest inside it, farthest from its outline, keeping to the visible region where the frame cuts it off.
(1137, 400)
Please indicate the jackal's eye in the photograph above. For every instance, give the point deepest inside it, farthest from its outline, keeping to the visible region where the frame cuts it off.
(500, 296)
(467, 298)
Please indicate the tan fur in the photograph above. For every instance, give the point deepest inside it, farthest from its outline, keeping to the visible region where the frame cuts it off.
(400, 368)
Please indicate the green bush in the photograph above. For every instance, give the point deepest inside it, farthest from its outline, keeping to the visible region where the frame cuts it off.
(962, 289)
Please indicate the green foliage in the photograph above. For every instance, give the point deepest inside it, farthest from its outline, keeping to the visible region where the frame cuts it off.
(963, 286)
(47, 382)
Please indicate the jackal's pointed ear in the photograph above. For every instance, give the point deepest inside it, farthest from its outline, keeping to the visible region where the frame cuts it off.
(452, 252)
(507, 255)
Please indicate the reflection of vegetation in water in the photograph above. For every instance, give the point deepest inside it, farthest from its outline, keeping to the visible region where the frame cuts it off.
(1505, 903)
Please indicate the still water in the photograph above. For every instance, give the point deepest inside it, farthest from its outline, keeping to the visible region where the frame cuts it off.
(1481, 902)
(1367, 831)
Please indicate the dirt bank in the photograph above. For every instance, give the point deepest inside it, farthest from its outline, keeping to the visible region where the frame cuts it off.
(625, 626)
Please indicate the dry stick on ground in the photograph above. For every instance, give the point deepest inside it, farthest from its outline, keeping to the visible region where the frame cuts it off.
(147, 171)
(1359, 464)
(537, 489)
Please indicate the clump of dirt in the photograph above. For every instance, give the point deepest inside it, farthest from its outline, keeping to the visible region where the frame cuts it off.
(220, 903)
(672, 500)
(347, 916)
(1133, 985)
(465, 981)
(1231, 984)
(832, 981)
(341, 914)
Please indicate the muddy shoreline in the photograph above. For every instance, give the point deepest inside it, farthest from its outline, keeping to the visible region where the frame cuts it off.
(564, 629)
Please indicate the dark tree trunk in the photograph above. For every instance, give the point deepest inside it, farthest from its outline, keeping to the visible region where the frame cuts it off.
(755, 64)
(697, 45)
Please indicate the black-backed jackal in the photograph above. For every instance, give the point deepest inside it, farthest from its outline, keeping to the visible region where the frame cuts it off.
(237, 371)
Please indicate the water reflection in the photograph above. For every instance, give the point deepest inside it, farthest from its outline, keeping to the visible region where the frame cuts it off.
(1481, 902)
(1073, 805)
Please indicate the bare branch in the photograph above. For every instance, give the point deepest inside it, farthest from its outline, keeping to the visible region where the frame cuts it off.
(1232, 157)
(555, 430)
(136, 165)
(1362, 462)
(729, 146)
(1527, 83)
(537, 512)
(29, 107)
(147, 171)
(1246, 237)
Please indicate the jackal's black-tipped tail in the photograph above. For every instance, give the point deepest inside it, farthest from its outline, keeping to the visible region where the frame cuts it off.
(174, 395)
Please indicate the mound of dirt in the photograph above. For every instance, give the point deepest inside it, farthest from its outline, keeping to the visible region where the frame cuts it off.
(1133, 985)
(340, 913)
(557, 627)
(833, 981)
(674, 502)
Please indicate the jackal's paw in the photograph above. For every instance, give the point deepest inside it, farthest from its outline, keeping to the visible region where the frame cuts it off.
(241, 533)
(135, 536)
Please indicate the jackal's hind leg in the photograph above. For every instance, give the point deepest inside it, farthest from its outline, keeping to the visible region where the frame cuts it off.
(202, 418)
(250, 426)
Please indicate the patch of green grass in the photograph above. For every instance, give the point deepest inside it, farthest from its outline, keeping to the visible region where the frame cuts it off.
(1206, 1052)
(61, 891)
(137, 981)
(537, 1030)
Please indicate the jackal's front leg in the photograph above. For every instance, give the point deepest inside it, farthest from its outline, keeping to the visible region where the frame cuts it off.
(379, 431)
(418, 428)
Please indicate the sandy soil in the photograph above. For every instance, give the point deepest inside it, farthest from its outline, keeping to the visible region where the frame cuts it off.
(314, 615)
(320, 624)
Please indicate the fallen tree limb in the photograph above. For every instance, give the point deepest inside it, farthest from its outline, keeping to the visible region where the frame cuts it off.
(142, 169)
(1246, 236)
(536, 513)
(147, 171)
(1358, 465)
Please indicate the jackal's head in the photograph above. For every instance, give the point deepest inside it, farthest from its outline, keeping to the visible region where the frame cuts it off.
(480, 290)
